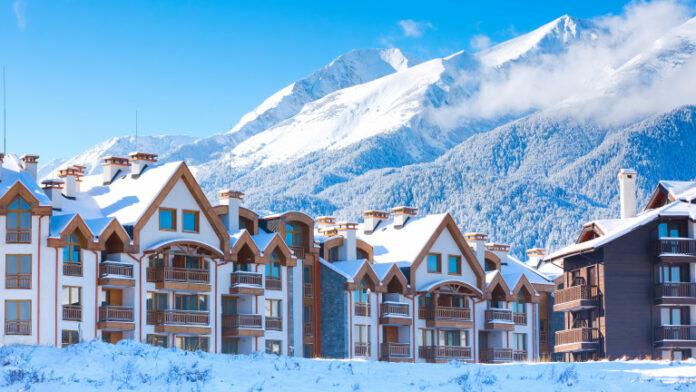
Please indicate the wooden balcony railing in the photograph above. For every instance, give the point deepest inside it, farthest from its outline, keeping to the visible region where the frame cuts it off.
(496, 355)
(18, 281)
(18, 236)
(241, 321)
(172, 274)
(519, 318)
(444, 352)
(72, 269)
(179, 317)
(72, 312)
(684, 246)
(274, 323)
(575, 293)
(299, 251)
(519, 355)
(362, 349)
(675, 289)
(115, 269)
(115, 313)
(398, 309)
(675, 332)
(307, 329)
(246, 278)
(444, 312)
(395, 350)
(307, 290)
(274, 284)
(17, 327)
(576, 335)
(498, 315)
(362, 309)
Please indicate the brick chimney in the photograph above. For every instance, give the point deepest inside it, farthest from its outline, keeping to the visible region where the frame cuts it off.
(401, 215)
(29, 164)
(350, 244)
(139, 161)
(71, 177)
(233, 200)
(112, 167)
(627, 192)
(54, 190)
(372, 219)
(477, 242)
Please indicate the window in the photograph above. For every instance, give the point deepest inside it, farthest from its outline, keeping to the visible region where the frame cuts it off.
(167, 219)
(229, 305)
(17, 317)
(425, 300)
(273, 308)
(230, 345)
(434, 263)
(333, 253)
(273, 347)
(454, 338)
(454, 265)
(273, 266)
(673, 316)
(293, 235)
(189, 262)
(191, 343)
(307, 310)
(191, 221)
(18, 221)
(519, 306)
(308, 351)
(71, 296)
(157, 340)
(18, 271)
(245, 267)
(670, 273)
(670, 230)
(362, 255)
(427, 337)
(69, 337)
(362, 334)
(307, 274)
(496, 304)
(519, 341)
(490, 265)
(190, 302)
(361, 293)
(71, 251)
(156, 301)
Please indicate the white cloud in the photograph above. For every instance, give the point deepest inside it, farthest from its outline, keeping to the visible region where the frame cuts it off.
(414, 29)
(480, 42)
(19, 8)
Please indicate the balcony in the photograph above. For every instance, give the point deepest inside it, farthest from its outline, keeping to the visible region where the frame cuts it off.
(299, 251)
(307, 329)
(575, 298)
(17, 327)
(307, 290)
(180, 321)
(362, 309)
(18, 236)
(274, 284)
(499, 320)
(446, 316)
(577, 340)
(444, 353)
(675, 336)
(519, 318)
(496, 355)
(395, 352)
(72, 269)
(394, 313)
(274, 324)
(18, 281)
(246, 283)
(239, 325)
(676, 293)
(362, 349)
(519, 355)
(676, 247)
(72, 312)
(116, 274)
(115, 318)
(189, 279)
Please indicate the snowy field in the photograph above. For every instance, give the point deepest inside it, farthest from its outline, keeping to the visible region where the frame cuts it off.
(133, 366)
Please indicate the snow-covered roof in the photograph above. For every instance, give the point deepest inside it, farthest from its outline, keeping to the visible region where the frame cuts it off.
(349, 268)
(12, 173)
(337, 270)
(382, 269)
(263, 239)
(514, 269)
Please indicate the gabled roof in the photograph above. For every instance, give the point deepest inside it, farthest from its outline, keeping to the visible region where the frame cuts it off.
(12, 176)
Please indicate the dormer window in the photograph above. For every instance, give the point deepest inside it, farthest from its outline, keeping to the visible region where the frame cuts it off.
(18, 222)
(167, 219)
(191, 221)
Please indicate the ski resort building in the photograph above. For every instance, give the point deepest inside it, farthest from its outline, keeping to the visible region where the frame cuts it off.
(628, 285)
(139, 252)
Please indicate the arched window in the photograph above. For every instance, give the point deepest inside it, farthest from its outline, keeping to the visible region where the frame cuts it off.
(361, 292)
(362, 255)
(71, 251)
(490, 265)
(273, 266)
(293, 235)
(18, 222)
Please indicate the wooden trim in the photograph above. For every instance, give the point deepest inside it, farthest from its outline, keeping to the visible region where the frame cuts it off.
(76, 224)
(524, 282)
(18, 189)
(367, 248)
(498, 281)
(330, 244)
(449, 223)
(366, 271)
(278, 243)
(114, 227)
(488, 255)
(395, 273)
(245, 239)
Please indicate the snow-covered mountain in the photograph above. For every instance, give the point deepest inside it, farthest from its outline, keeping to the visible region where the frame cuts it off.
(522, 140)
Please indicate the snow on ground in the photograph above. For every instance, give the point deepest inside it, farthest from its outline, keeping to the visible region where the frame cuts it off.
(133, 366)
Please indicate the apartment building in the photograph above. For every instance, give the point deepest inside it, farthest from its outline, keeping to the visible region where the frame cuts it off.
(404, 287)
(628, 285)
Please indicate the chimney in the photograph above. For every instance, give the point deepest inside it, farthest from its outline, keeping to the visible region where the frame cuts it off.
(501, 250)
(477, 241)
(71, 177)
(29, 164)
(401, 215)
(112, 167)
(372, 219)
(233, 200)
(54, 190)
(534, 256)
(325, 221)
(350, 244)
(139, 161)
(2, 160)
(627, 192)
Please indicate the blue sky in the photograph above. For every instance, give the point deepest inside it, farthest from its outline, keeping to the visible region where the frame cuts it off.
(77, 70)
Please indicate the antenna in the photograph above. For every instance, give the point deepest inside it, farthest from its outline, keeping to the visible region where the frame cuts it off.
(136, 130)
(4, 113)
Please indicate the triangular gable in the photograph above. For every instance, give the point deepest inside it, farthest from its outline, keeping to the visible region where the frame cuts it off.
(78, 224)
(524, 282)
(366, 271)
(659, 197)
(449, 224)
(278, 243)
(498, 281)
(114, 227)
(365, 247)
(185, 174)
(395, 273)
(19, 189)
(245, 239)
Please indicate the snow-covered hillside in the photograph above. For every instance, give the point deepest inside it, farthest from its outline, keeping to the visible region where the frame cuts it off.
(512, 140)
(128, 365)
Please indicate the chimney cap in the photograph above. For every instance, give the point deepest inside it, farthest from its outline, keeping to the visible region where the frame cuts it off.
(492, 246)
(475, 236)
(627, 172)
(142, 156)
(52, 183)
(536, 252)
(230, 194)
(114, 160)
(375, 214)
(404, 210)
(29, 158)
(325, 220)
(69, 171)
(344, 226)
